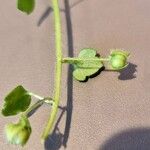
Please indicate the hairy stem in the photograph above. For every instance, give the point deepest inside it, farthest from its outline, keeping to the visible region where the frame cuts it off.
(57, 86)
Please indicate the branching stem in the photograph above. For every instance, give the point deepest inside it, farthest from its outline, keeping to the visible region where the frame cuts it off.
(38, 104)
(57, 86)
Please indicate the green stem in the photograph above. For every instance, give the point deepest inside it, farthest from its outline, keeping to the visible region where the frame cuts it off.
(77, 59)
(37, 104)
(45, 99)
(57, 86)
(35, 95)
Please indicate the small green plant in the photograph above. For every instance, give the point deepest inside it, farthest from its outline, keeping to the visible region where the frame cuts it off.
(17, 102)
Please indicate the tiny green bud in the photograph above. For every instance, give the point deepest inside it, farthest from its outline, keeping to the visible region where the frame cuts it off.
(18, 133)
(118, 59)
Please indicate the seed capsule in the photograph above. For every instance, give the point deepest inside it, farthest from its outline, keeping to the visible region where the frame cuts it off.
(18, 133)
(118, 59)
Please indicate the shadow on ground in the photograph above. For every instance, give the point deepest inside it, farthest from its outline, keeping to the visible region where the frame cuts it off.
(129, 72)
(49, 10)
(55, 140)
(132, 139)
(58, 139)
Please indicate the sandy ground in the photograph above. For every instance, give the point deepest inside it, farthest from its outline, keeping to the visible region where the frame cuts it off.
(109, 112)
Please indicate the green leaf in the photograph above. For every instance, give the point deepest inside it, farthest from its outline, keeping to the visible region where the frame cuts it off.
(18, 100)
(26, 6)
(88, 65)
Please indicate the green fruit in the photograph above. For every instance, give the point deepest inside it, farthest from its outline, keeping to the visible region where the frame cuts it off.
(18, 133)
(118, 61)
(22, 136)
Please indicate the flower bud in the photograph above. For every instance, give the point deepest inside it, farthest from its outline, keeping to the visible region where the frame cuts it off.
(18, 133)
(118, 59)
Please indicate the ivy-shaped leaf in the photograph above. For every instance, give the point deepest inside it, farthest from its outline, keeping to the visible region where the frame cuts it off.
(18, 100)
(88, 66)
(26, 6)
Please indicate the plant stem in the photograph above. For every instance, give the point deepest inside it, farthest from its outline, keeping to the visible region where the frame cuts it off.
(77, 59)
(35, 95)
(45, 99)
(57, 86)
(36, 105)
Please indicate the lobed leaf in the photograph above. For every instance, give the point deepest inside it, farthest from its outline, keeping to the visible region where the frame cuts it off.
(88, 66)
(18, 100)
